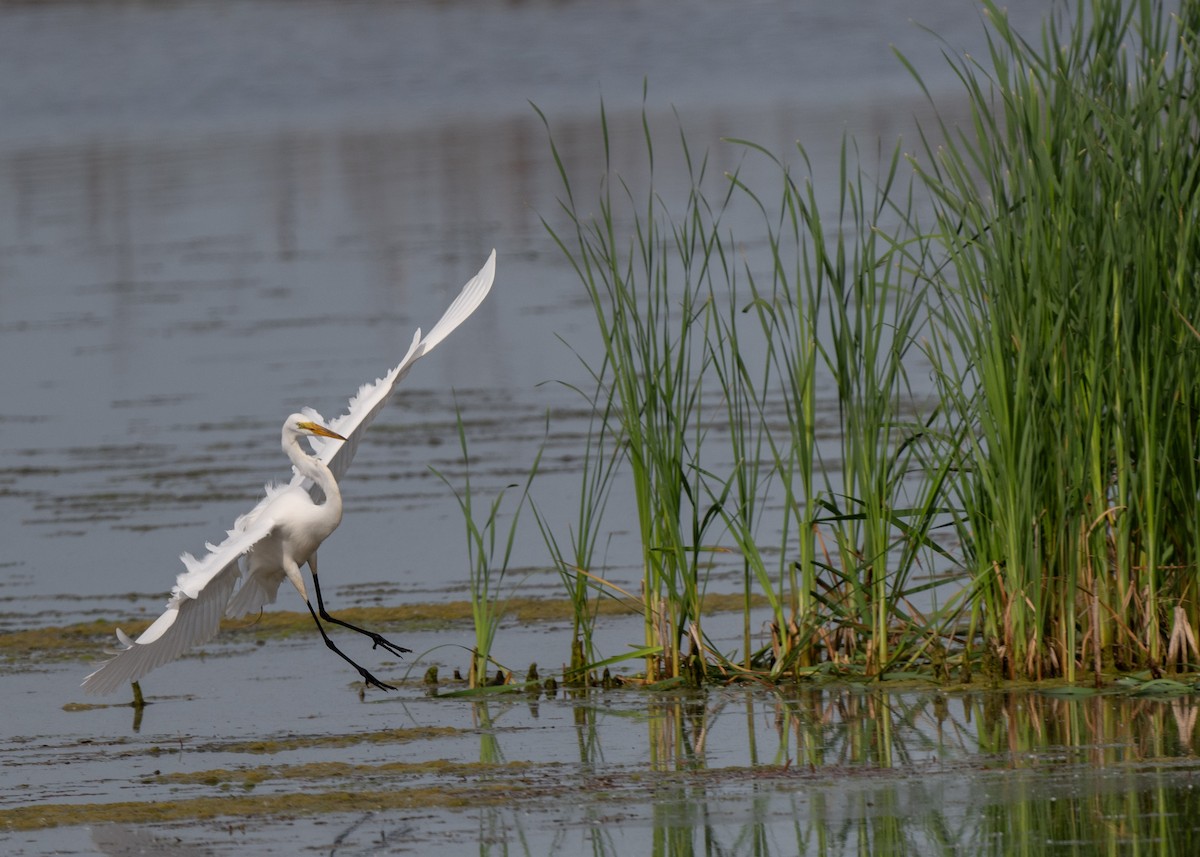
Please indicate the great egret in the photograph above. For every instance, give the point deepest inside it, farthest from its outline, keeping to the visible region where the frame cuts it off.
(279, 535)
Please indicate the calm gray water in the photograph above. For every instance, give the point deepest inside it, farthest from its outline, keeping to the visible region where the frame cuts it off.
(212, 214)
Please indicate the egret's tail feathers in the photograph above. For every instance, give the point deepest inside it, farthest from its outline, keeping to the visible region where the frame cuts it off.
(257, 591)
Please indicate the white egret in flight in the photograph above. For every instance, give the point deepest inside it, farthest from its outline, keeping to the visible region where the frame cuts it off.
(279, 535)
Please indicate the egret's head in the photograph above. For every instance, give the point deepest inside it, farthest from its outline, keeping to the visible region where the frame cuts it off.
(300, 424)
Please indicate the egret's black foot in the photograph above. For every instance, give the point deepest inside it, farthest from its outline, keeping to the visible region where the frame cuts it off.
(374, 682)
(362, 671)
(378, 640)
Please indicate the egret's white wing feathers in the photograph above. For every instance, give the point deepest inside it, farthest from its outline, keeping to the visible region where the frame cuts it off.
(204, 592)
(364, 405)
(193, 615)
(371, 398)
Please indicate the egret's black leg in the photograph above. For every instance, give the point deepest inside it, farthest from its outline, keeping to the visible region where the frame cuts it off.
(376, 639)
(362, 671)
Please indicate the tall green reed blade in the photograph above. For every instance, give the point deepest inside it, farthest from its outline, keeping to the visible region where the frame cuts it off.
(581, 580)
(741, 497)
(488, 560)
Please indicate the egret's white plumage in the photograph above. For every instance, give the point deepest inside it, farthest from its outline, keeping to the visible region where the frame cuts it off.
(282, 533)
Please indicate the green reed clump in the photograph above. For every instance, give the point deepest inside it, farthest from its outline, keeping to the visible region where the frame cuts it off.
(647, 294)
(696, 414)
(844, 299)
(1058, 300)
(1069, 211)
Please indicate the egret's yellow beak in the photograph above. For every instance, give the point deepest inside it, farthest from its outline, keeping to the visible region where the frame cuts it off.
(318, 429)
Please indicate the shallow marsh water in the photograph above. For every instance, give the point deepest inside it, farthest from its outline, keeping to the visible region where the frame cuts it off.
(215, 213)
(817, 770)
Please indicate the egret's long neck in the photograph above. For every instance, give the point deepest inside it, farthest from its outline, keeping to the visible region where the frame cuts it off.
(313, 468)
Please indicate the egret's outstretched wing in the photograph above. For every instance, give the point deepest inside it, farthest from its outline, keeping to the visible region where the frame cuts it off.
(193, 614)
(371, 398)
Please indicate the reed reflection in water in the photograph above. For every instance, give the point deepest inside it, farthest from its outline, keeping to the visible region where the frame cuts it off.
(834, 771)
